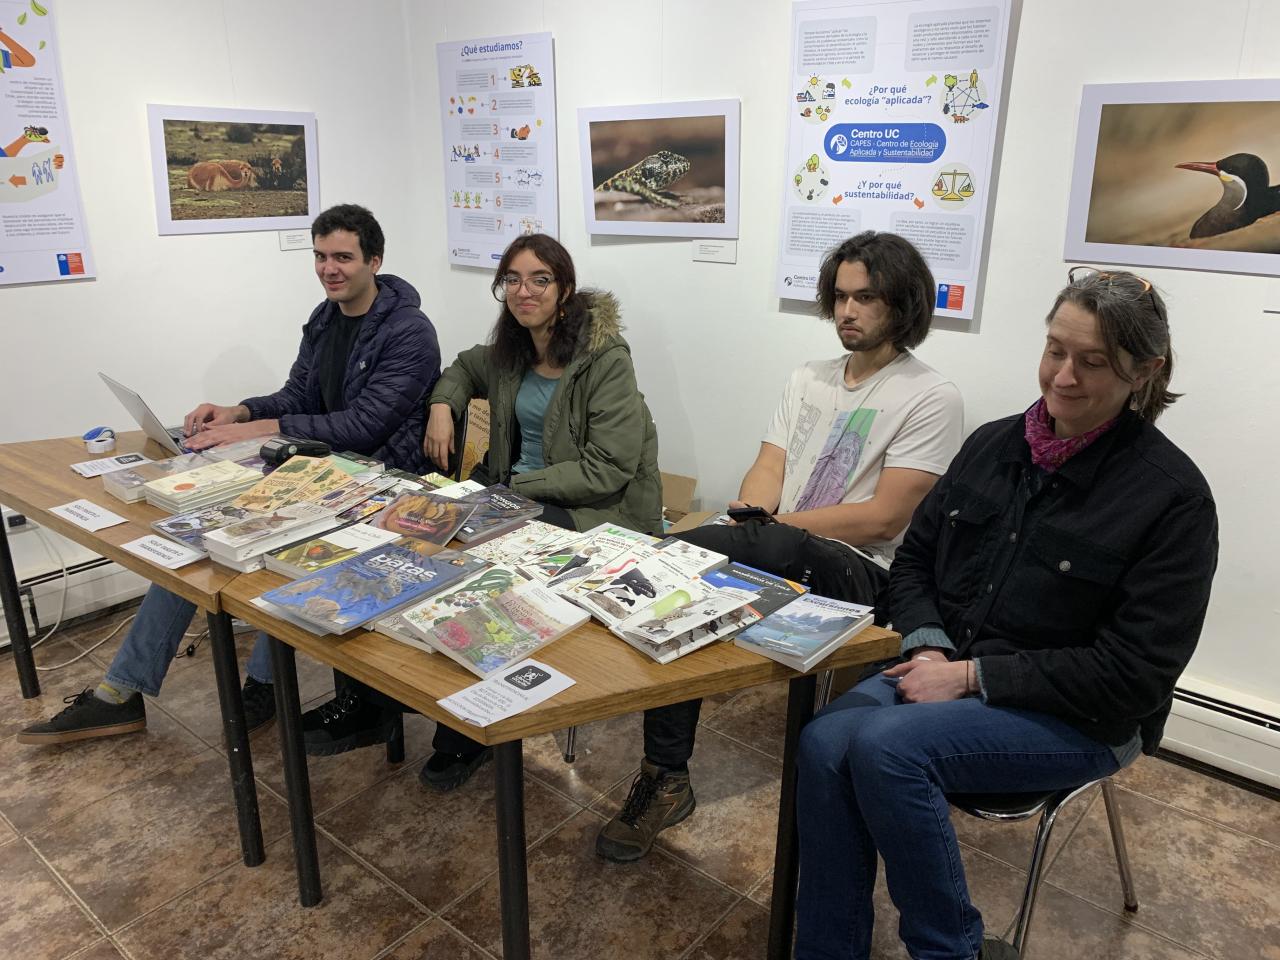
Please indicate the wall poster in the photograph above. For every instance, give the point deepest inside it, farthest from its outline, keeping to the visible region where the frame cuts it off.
(498, 112)
(42, 229)
(1178, 174)
(894, 110)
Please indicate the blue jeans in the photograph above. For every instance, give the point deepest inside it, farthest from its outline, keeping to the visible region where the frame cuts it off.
(873, 772)
(153, 639)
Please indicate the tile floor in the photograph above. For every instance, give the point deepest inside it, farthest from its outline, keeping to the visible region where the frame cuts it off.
(127, 847)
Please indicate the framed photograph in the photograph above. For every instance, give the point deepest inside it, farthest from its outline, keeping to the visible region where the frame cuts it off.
(227, 171)
(1178, 175)
(661, 169)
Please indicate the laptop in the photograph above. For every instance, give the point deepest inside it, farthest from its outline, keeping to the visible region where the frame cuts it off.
(171, 438)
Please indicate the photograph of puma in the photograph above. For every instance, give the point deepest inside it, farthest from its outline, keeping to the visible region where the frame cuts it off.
(221, 171)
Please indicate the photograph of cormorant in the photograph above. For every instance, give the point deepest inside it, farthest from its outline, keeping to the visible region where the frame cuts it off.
(1189, 175)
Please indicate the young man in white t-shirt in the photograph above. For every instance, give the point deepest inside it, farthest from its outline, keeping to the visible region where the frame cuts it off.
(853, 447)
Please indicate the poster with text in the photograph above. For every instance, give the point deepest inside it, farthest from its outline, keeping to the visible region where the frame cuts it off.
(498, 110)
(894, 111)
(42, 231)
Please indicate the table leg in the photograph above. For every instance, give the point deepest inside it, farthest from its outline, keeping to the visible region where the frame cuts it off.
(513, 871)
(297, 783)
(19, 642)
(782, 910)
(236, 736)
(395, 746)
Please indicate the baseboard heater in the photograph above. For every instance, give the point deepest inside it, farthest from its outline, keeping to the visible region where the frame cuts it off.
(1242, 739)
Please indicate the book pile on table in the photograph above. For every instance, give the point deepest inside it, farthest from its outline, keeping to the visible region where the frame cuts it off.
(206, 484)
(128, 485)
(241, 545)
(349, 594)
(503, 599)
(295, 503)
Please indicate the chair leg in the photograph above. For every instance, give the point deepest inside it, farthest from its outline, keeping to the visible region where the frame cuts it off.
(1117, 840)
(570, 740)
(825, 680)
(1039, 853)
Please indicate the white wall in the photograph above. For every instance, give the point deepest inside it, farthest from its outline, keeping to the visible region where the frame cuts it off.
(712, 344)
(216, 317)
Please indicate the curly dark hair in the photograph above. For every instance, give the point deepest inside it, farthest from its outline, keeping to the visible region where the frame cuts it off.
(355, 219)
(512, 344)
(899, 276)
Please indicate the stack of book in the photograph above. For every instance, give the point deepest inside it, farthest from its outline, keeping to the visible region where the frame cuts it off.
(189, 527)
(365, 587)
(127, 484)
(804, 631)
(305, 557)
(688, 617)
(498, 631)
(498, 510)
(241, 545)
(423, 516)
(669, 566)
(206, 484)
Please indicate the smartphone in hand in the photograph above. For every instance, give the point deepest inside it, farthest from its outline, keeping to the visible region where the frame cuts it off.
(742, 514)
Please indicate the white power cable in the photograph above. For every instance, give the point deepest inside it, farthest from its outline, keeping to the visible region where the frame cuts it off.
(56, 556)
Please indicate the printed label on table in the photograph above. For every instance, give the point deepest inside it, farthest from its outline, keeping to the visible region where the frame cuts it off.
(95, 468)
(505, 694)
(87, 514)
(164, 552)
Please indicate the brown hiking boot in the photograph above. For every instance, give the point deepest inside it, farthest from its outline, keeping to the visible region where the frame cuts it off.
(658, 799)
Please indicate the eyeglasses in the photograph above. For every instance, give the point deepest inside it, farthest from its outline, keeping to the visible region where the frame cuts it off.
(511, 283)
(1082, 274)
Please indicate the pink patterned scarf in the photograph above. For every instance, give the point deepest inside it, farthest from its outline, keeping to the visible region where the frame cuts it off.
(1048, 450)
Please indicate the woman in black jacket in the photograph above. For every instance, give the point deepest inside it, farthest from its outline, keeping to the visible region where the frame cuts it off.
(1050, 590)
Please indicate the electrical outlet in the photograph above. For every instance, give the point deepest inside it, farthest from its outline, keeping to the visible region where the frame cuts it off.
(15, 522)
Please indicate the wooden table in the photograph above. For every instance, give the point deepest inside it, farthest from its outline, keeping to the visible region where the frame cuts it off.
(35, 476)
(612, 679)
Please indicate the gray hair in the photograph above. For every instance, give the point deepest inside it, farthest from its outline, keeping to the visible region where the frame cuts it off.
(1131, 317)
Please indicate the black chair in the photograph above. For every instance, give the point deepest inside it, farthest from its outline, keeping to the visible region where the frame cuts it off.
(1013, 807)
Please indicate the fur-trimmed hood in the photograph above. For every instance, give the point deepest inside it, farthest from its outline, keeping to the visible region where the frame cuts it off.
(606, 318)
